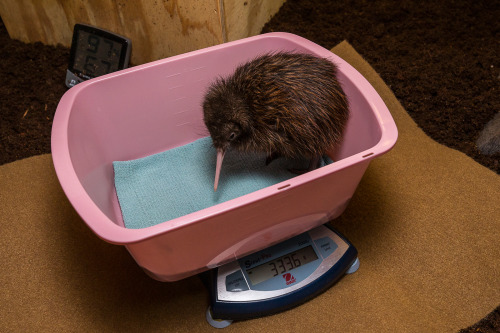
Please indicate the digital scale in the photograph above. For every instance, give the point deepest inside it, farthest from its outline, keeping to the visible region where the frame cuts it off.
(95, 52)
(279, 277)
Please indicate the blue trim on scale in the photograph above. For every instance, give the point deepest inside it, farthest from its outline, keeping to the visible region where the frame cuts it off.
(254, 309)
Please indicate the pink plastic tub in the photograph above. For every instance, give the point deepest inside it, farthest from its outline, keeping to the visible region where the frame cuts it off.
(157, 106)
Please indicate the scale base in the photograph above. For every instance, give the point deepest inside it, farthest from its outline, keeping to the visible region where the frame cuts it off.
(217, 323)
(354, 267)
(223, 323)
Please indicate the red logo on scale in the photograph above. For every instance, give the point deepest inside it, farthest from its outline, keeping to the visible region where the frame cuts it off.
(289, 278)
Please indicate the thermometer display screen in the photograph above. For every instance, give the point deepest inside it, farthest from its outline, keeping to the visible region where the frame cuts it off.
(95, 52)
(281, 265)
(96, 55)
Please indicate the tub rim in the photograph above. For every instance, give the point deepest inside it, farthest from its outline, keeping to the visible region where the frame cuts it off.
(111, 232)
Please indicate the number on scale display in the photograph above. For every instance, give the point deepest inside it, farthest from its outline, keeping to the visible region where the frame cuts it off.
(96, 55)
(281, 265)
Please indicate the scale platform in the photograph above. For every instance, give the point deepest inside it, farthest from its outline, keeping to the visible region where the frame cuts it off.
(280, 277)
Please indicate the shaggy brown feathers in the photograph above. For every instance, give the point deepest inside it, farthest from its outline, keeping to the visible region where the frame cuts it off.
(286, 104)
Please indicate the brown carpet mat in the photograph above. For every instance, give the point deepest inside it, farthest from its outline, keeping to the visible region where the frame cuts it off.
(425, 220)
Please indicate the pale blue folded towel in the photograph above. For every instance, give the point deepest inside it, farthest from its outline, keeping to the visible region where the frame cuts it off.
(180, 181)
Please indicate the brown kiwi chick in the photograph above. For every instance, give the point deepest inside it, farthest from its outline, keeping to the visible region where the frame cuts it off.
(283, 104)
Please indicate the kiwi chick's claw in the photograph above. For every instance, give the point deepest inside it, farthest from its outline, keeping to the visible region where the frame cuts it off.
(282, 104)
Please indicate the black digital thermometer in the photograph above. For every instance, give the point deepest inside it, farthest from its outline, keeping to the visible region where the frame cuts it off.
(279, 277)
(95, 52)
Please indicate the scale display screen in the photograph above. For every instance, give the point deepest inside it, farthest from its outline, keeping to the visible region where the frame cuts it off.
(281, 265)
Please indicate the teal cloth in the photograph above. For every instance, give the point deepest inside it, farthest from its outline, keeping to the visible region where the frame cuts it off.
(180, 181)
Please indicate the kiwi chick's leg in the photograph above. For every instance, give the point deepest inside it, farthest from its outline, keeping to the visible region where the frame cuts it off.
(314, 163)
(271, 157)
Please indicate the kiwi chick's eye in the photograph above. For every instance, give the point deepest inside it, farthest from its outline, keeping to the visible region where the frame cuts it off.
(232, 136)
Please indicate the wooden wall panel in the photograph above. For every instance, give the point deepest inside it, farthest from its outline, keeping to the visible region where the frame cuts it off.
(157, 28)
(245, 18)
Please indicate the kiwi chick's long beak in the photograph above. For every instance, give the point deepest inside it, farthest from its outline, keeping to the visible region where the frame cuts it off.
(220, 157)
